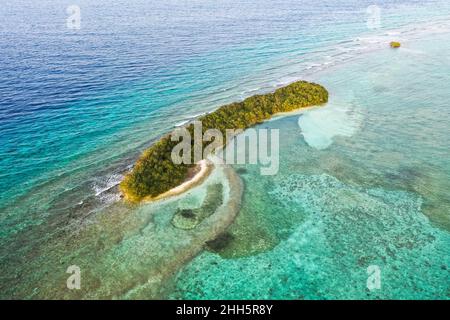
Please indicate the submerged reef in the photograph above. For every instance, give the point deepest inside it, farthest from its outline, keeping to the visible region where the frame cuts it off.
(155, 173)
(220, 242)
(189, 218)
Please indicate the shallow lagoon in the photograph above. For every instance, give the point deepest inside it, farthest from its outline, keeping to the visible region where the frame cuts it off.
(363, 181)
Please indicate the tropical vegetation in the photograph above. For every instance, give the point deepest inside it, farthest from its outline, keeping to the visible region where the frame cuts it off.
(155, 173)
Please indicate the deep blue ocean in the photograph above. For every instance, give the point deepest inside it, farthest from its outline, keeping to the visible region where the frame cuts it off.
(78, 106)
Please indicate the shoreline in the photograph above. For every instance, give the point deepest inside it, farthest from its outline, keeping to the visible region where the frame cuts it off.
(205, 167)
(155, 176)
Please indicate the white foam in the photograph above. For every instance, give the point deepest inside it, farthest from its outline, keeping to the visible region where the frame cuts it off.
(182, 123)
(197, 115)
(106, 183)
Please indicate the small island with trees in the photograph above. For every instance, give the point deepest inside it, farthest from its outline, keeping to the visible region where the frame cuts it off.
(155, 173)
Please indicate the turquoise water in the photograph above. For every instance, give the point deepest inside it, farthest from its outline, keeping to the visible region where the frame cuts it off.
(363, 181)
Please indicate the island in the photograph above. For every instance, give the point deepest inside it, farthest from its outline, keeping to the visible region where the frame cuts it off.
(155, 174)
